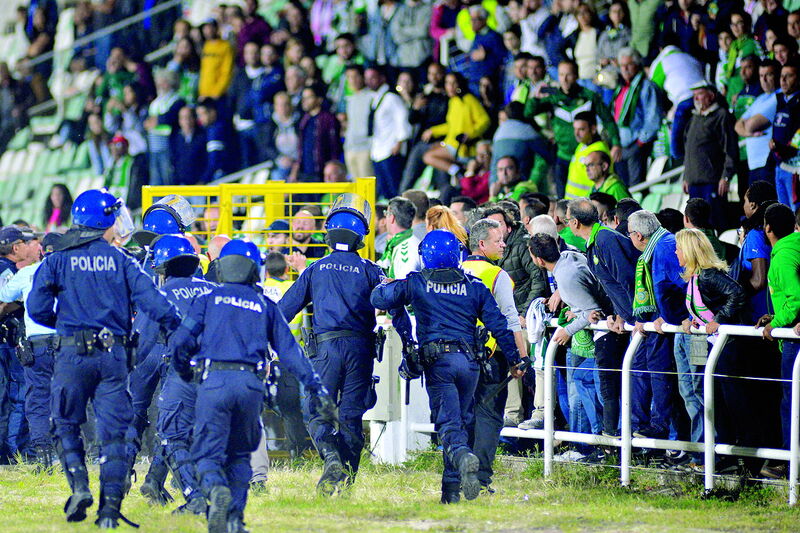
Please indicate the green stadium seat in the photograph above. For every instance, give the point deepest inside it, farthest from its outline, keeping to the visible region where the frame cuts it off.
(81, 159)
(652, 202)
(20, 139)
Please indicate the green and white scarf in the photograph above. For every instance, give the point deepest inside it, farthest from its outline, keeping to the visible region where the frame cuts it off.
(644, 299)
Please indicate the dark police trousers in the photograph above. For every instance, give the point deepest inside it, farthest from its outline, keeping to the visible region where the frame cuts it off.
(103, 377)
(142, 383)
(175, 423)
(37, 390)
(485, 433)
(227, 429)
(13, 427)
(345, 367)
(451, 382)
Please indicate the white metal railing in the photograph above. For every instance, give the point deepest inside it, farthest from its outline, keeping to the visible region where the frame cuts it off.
(626, 442)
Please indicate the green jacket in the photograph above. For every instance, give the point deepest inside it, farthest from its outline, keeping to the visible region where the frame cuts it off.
(613, 186)
(572, 239)
(784, 281)
(564, 107)
(716, 244)
(517, 191)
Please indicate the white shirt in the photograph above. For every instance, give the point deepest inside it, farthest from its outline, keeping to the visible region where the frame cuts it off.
(390, 125)
(17, 290)
(504, 296)
(529, 28)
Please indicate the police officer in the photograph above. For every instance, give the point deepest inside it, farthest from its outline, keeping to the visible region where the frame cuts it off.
(18, 247)
(447, 304)
(35, 353)
(175, 263)
(342, 344)
(236, 325)
(173, 214)
(96, 286)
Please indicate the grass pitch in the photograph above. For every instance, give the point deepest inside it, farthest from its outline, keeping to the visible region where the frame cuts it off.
(405, 498)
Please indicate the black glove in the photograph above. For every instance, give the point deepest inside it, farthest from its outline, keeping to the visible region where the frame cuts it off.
(324, 405)
(408, 371)
(184, 370)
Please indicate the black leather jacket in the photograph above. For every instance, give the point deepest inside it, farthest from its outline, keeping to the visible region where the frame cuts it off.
(722, 295)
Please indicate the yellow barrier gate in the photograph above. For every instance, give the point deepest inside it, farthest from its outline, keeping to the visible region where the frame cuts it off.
(246, 211)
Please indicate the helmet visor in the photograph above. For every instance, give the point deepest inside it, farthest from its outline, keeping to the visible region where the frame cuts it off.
(352, 203)
(179, 206)
(123, 224)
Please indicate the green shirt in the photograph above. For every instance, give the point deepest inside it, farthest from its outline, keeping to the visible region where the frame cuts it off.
(784, 281)
(613, 186)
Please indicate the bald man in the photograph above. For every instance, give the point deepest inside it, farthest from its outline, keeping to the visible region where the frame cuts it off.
(214, 247)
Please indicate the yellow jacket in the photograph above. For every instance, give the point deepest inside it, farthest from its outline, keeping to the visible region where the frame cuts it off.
(466, 115)
(578, 183)
(216, 69)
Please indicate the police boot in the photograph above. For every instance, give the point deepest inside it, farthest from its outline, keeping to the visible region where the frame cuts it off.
(109, 514)
(219, 502)
(333, 474)
(81, 498)
(236, 524)
(468, 466)
(153, 487)
(451, 493)
(43, 458)
(196, 505)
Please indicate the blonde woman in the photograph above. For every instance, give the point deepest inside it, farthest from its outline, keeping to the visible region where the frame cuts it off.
(714, 298)
(441, 217)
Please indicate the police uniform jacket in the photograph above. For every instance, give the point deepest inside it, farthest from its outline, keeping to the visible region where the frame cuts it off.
(182, 292)
(449, 311)
(236, 323)
(97, 286)
(339, 285)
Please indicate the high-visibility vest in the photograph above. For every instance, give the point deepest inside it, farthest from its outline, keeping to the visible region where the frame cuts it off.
(488, 273)
(274, 289)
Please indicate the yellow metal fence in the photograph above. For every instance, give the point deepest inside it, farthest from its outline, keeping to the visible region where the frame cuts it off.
(246, 211)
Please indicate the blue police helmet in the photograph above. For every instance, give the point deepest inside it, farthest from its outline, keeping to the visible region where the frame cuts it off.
(95, 208)
(161, 222)
(169, 247)
(347, 220)
(440, 249)
(243, 248)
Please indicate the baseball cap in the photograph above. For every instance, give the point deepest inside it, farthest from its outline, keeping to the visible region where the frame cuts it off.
(278, 225)
(12, 234)
(703, 84)
(51, 240)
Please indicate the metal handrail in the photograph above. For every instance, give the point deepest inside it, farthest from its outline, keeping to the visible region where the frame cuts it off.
(626, 442)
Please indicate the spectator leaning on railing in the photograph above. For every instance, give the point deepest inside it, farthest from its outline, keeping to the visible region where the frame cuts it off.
(659, 295)
(784, 286)
(713, 298)
(612, 260)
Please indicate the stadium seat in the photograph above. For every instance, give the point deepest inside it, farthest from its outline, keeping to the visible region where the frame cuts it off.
(730, 236)
(261, 177)
(656, 168)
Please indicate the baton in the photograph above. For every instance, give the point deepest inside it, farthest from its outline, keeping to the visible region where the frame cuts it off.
(524, 366)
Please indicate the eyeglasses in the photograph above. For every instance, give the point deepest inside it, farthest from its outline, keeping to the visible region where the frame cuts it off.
(632, 233)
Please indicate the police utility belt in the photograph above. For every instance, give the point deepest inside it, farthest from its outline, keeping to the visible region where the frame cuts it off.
(432, 351)
(87, 341)
(25, 349)
(206, 366)
(312, 340)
